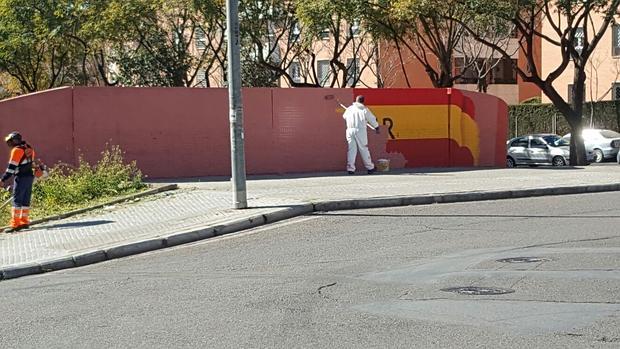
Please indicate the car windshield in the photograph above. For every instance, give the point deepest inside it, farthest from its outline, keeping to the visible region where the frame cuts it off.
(610, 134)
(556, 141)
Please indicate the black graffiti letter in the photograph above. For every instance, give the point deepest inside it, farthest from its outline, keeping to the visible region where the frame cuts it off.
(390, 124)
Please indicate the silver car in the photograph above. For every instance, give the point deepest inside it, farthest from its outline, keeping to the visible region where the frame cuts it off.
(600, 143)
(537, 149)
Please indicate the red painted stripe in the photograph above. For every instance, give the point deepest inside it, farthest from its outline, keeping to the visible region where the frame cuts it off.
(431, 152)
(403, 96)
(467, 105)
(420, 96)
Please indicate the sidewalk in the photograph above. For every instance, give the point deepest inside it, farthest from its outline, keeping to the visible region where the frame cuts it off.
(201, 209)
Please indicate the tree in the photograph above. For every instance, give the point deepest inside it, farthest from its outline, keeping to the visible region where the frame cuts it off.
(575, 29)
(34, 45)
(339, 28)
(157, 48)
(427, 30)
(478, 60)
(270, 33)
(432, 39)
(213, 26)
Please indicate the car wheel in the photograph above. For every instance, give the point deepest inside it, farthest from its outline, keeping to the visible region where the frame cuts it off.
(559, 161)
(510, 162)
(598, 155)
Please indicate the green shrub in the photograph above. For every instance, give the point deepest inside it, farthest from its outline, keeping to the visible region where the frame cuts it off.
(539, 118)
(68, 188)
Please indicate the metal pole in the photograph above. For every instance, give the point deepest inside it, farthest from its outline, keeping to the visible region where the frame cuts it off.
(236, 106)
(516, 126)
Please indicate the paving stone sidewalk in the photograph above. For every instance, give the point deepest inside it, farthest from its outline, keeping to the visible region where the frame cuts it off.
(201, 203)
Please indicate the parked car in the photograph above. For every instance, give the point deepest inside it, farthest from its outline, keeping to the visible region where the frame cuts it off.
(537, 149)
(599, 143)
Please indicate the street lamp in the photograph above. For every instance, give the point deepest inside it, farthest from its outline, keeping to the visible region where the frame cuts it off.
(237, 151)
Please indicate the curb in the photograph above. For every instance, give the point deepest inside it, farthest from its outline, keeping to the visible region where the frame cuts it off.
(149, 192)
(202, 233)
(352, 204)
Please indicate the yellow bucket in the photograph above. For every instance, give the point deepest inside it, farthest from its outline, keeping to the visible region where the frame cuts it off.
(383, 165)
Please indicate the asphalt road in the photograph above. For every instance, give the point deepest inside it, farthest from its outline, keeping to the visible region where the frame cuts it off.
(366, 279)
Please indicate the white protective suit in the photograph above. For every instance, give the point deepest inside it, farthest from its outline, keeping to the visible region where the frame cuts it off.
(358, 117)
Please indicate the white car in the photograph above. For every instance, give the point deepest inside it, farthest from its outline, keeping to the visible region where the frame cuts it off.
(537, 149)
(600, 143)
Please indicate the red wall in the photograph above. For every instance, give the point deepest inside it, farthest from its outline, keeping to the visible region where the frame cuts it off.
(180, 132)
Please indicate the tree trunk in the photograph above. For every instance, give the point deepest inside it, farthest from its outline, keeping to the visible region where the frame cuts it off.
(578, 156)
(482, 84)
(573, 116)
(577, 147)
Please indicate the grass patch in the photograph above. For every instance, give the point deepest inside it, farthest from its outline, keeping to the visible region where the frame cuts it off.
(69, 188)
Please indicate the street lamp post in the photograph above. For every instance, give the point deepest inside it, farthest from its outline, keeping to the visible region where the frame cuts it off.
(237, 151)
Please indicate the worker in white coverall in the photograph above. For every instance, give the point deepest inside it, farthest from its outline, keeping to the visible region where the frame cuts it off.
(358, 117)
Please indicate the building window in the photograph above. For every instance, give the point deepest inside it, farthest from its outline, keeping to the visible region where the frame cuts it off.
(201, 40)
(324, 34)
(295, 72)
(579, 40)
(514, 32)
(504, 72)
(271, 52)
(201, 78)
(615, 91)
(355, 27)
(295, 32)
(468, 75)
(353, 71)
(615, 45)
(323, 72)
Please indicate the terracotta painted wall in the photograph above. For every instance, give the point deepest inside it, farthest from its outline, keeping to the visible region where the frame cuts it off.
(528, 90)
(178, 132)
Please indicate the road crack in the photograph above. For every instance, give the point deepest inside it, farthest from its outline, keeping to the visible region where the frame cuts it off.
(325, 286)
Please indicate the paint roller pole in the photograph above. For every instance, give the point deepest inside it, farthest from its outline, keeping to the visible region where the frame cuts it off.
(236, 107)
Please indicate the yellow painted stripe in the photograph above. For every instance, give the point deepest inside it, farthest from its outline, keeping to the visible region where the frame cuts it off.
(431, 122)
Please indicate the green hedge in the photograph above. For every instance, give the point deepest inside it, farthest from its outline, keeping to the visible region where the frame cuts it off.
(539, 118)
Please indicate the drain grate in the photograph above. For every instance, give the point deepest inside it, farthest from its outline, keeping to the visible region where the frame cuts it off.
(478, 291)
(523, 260)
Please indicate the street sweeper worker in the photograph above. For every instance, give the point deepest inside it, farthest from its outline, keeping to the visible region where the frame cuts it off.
(357, 118)
(21, 166)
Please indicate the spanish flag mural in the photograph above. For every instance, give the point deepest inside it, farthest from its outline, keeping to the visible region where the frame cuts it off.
(440, 127)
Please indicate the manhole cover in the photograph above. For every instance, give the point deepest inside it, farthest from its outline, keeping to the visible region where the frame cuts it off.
(523, 260)
(478, 291)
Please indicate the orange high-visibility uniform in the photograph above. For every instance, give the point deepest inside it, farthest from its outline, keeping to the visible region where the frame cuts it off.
(21, 166)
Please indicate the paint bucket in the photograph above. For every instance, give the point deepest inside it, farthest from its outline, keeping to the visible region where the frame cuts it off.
(383, 165)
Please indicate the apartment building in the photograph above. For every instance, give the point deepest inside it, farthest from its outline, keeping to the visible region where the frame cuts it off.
(371, 63)
(603, 68)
